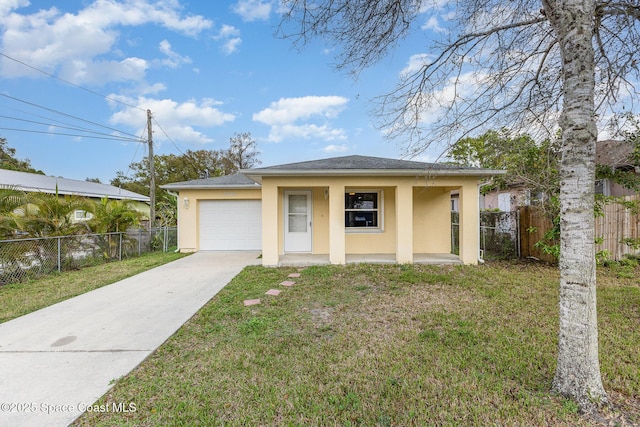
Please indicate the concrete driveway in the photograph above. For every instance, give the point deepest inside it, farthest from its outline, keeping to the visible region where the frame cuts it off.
(56, 362)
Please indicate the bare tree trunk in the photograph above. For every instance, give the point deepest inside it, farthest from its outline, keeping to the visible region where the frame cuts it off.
(578, 370)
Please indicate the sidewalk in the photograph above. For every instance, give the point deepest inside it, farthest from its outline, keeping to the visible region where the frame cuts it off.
(56, 362)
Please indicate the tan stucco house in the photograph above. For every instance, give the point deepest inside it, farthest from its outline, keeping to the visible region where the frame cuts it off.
(334, 211)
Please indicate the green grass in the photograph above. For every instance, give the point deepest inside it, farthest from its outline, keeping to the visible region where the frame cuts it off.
(18, 299)
(381, 345)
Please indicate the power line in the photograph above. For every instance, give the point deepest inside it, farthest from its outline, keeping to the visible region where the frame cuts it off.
(168, 137)
(57, 121)
(65, 114)
(89, 131)
(67, 134)
(69, 83)
(89, 91)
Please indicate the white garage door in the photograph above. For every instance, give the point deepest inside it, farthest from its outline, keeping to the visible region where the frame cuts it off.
(230, 225)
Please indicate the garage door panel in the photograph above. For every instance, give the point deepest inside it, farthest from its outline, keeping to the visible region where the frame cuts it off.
(230, 225)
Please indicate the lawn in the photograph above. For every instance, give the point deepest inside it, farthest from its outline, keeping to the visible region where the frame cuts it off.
(381, 345)
(18, 299)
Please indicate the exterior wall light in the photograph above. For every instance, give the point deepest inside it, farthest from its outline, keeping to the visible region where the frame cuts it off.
(186, 202)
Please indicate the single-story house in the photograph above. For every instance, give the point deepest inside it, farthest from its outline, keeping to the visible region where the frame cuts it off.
(618, 155)
(36, 183)
(334, 211)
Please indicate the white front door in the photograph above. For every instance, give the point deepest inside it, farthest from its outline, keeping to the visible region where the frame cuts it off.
(297, 221)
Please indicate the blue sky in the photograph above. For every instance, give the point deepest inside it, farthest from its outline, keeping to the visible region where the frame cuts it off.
(206, 70)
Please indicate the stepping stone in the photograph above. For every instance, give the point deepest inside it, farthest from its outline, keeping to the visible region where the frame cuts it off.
(249, 302)
(274, 292)
(288, 283)
(294, 275)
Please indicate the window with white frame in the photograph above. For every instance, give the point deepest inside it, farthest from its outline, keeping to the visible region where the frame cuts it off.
(81, 215)
(362, 210)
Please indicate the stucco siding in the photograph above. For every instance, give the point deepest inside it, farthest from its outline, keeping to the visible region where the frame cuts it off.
(431, 220)
(189, 217)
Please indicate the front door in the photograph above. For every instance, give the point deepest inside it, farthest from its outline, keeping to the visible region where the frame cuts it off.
(297, 221)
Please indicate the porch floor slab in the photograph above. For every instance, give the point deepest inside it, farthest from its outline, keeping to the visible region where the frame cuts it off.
(436, 259)
(305, 259)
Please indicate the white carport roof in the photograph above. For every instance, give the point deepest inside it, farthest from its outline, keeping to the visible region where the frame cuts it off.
(47, 184)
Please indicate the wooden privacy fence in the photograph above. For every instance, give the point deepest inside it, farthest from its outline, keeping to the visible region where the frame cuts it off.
(616, 230)
(533, 226)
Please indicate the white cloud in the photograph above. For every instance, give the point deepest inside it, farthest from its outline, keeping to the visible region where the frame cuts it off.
(231, 45)
(293, 117)
(69, 44)
(228, 31)
(96, 72)
(178, 120)
(332, 148)
(415, 63)
(433, 24)
(173, 60)
(230, 36)
(253, 10)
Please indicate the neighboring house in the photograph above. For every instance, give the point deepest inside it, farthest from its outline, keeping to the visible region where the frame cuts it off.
(613, 153)
(617, 155)
(509, 199)
(36, 183)
(334, 210)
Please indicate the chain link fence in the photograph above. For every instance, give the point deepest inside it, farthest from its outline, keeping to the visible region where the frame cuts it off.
(23, 259)
(499, 235)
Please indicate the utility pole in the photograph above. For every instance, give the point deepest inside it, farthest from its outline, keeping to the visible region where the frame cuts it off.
(152, 173)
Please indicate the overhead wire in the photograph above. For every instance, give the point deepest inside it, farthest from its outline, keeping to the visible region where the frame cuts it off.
(88, 132)
(66, 114)
(97, 135)
(70, 83)
(185, 155)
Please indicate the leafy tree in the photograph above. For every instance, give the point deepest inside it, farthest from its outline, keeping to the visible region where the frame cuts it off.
(9, 161)
(515, 63)
(191, 165)
(53, 215)
(535, 165)
(112, 216)
(170, 168)
(242, 153)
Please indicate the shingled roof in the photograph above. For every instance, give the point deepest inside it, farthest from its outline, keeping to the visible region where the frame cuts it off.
(367, 165)
(48, 184)
(236, 180)
(614, 153)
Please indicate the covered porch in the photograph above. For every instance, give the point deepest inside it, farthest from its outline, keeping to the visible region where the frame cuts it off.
(366, 220)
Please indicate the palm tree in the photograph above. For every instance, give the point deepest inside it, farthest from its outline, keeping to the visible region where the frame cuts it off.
(113, 216)
(11, 200)
(53, 215)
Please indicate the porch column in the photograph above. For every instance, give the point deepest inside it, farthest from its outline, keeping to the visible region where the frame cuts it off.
(270, 255)
(337, 245)
(404, 223)
(469, 222)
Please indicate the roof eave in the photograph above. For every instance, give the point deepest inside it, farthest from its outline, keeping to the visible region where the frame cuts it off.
(258, 174)
(211, 187)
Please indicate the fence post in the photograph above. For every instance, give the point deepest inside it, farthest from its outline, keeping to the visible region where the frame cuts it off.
(518, 232)
(139, 241)
(59, 255)
(120, 252)
(166, 238)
